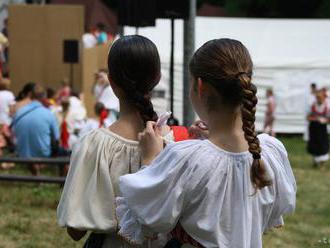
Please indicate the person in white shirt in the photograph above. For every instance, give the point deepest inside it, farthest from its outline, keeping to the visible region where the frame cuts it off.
(97, 122)
(7, 102)
(224, 191)
(104, 94)
(102, 155)
(89, 39)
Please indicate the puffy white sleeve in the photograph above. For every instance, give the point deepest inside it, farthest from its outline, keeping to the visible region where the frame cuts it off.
(88, 200)
(284, 188)
(139, 210)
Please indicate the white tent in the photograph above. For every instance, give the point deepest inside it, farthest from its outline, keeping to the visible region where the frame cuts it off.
(288, 55)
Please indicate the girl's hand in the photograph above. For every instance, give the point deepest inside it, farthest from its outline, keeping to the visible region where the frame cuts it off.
(199, 130)
(151, 142)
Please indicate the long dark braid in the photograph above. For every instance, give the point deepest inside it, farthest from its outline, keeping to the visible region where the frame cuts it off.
(134, 66)
(141, 101)
(259, 176)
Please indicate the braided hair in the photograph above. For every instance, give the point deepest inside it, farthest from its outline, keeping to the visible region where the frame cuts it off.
(227, 66)
(248, 110)
(134, 66)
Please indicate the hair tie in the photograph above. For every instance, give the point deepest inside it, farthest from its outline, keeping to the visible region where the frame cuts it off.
(243, 73)
(256, 156)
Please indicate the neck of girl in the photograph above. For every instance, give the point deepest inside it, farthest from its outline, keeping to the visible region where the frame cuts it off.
(129, 123)
(226, 131)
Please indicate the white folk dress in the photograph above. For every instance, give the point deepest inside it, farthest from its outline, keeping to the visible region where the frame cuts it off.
(88, 197)
(208, 190)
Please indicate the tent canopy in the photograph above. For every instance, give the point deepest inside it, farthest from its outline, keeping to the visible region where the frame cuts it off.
(288, 55)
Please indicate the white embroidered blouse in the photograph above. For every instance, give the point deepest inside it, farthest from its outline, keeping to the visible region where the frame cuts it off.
(208, 190)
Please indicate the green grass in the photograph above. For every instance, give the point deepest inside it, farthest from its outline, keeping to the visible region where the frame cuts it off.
(311, 221)
(28, 211)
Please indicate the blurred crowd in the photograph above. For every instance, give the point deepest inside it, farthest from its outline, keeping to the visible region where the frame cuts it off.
(96, 36)
(44, 122)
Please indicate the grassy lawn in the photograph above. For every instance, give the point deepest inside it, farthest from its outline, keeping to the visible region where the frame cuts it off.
(28, 211)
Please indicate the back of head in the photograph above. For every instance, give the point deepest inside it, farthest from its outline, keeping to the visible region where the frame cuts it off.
(134, 66)
(38, 93)
(313, 86)
(100, 26)
(4, 84)
(50, 93)
(26, 91)
(269, 92)
(226, 65)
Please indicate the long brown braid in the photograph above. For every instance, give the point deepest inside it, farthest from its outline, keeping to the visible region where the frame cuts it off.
(134, 66)
(227, 66)
(259, 176)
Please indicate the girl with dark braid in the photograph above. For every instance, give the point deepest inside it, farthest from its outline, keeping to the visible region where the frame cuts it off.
(224, 191)
(103, 155)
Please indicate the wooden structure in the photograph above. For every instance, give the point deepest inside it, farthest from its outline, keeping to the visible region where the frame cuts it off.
(37, 33)
(36, 40)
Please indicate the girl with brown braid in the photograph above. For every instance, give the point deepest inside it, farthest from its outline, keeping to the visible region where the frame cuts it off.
(224, 191)
(102, 155)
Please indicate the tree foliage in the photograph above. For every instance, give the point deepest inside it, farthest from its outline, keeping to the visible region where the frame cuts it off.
(275, 8)
(265, 8)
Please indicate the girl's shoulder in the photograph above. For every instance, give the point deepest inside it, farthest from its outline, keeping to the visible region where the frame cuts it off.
(104, 137)
(184, 146)
(272, 145)
(276, 159)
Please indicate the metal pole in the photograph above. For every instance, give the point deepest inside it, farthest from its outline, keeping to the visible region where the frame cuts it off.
(189, 48)
(172, 68)
(71, 75)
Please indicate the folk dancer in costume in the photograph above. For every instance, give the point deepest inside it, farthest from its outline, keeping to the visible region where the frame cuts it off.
(190, 187)
(318, 143)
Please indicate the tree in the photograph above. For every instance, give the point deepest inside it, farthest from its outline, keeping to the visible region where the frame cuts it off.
(265, 8)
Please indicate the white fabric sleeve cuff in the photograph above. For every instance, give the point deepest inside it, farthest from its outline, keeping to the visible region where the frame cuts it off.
(275, 223)
(129, 227)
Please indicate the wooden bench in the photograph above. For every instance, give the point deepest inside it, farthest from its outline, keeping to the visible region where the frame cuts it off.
(34, 179)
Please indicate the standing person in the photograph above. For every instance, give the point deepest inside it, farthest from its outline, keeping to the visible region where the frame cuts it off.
(318, 117)
(270, 113)
(104, 94)
(225, 191)
(101, 156)
(309, 100)
(35, 127)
